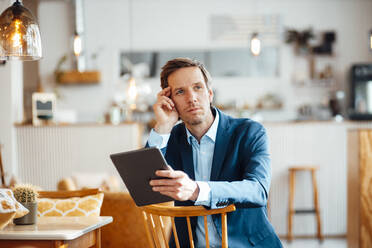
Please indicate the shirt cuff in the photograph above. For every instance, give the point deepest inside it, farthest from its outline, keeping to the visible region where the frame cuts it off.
(158, 140)
(204, 197)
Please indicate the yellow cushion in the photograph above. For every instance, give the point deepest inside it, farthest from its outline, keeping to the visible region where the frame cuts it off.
(5, 219)
(9, 207)
(75, 206)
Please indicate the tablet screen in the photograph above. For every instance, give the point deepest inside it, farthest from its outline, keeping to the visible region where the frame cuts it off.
(137, 168)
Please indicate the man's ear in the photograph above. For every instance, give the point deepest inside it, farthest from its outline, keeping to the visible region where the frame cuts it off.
(210, 95)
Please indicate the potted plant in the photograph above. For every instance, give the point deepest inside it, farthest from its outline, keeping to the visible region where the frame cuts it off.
(27, 195)
(300, 39)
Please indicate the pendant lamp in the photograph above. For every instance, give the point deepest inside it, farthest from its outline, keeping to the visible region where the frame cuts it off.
(19, 34)
(255, 44)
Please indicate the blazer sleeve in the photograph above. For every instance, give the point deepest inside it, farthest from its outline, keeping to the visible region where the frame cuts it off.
(253, 189)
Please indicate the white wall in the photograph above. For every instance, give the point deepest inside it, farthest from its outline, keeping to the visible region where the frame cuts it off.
(5, 122)
(175, 24)
(11, 107)
(70, 151)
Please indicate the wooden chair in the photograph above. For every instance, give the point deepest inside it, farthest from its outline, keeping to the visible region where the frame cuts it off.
(155, 215)
(2, 174)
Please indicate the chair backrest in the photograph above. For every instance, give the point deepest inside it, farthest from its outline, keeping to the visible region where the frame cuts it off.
(86, 202)
(154, 216)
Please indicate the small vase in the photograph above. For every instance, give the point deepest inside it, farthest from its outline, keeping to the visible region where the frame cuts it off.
(29, 218)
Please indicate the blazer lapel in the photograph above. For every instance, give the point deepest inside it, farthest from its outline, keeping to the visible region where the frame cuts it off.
(222, 141)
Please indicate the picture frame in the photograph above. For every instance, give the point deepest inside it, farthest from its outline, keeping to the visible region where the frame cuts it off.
(43, 108)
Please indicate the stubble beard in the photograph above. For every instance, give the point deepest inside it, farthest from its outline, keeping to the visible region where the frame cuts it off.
(197, 119)
(194, 121)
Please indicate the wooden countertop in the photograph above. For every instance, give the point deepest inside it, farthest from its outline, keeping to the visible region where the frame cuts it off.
(80, 124)
(54, 228)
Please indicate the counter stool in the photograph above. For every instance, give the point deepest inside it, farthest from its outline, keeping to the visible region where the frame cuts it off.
(292, 211)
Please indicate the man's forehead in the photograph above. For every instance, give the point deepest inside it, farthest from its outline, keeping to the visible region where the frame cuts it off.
(186, 85)
(185, 77)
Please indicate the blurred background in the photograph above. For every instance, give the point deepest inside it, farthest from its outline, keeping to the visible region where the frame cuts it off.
(302, 68)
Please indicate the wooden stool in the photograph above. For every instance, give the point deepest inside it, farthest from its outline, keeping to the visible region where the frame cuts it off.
(292, 211)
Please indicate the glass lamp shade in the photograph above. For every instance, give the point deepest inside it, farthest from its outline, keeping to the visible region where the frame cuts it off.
(19, 34)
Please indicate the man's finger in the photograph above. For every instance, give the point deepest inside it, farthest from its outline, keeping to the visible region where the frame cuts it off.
(164, 189)
(168, 92)
(163, 103)
(170, 194)
(165, 92)
(166, 104)
(156, 182)
(166, 99)
(169, 173)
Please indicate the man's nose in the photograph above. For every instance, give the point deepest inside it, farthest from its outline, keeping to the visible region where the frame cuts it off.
(191, 96)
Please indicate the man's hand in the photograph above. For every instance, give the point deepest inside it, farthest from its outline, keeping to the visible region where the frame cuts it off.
(179, 186)
(165, 111)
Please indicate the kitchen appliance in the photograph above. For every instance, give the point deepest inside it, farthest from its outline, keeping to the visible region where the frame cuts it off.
(361, 92)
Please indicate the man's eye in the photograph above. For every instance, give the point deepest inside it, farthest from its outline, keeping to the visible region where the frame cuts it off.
(179, 92)
(198, 87)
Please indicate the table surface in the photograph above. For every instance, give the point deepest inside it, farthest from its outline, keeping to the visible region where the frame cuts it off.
(54, 228)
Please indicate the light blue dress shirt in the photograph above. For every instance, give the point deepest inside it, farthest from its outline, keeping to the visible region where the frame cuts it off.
(202, 157)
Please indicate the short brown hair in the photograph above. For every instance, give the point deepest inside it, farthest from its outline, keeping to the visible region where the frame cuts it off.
(178, 63)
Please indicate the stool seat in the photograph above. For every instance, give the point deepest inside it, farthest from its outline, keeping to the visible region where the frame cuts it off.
(303, 168)
(291, 210)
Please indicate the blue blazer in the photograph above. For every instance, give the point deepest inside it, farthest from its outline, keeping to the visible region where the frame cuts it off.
(240, 175)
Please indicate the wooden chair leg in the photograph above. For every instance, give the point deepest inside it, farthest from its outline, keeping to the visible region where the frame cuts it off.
(316, 206)
(291, 204)
(206, 232)
(175, 235)
(98, 238)
(59, 244)
(224, 231)
(190, 232)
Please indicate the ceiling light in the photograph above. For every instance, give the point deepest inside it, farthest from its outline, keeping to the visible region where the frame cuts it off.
(19, 34)
(255, 45)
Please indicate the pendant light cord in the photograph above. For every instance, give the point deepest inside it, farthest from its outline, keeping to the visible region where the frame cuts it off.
(131, 34)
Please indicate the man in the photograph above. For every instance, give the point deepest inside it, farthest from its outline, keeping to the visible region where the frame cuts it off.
(216, 160)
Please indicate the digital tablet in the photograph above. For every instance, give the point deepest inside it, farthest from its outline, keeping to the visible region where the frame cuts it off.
(137, 168)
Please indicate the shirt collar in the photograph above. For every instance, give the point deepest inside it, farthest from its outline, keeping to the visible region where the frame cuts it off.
(212, 131)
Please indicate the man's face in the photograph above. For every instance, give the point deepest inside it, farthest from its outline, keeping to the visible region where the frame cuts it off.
(190, 95)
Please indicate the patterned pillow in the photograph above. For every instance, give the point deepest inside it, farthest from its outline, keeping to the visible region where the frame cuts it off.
(75, 206)
(9, 207)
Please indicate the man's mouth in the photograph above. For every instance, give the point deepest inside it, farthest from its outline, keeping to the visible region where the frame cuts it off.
(194, 109)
